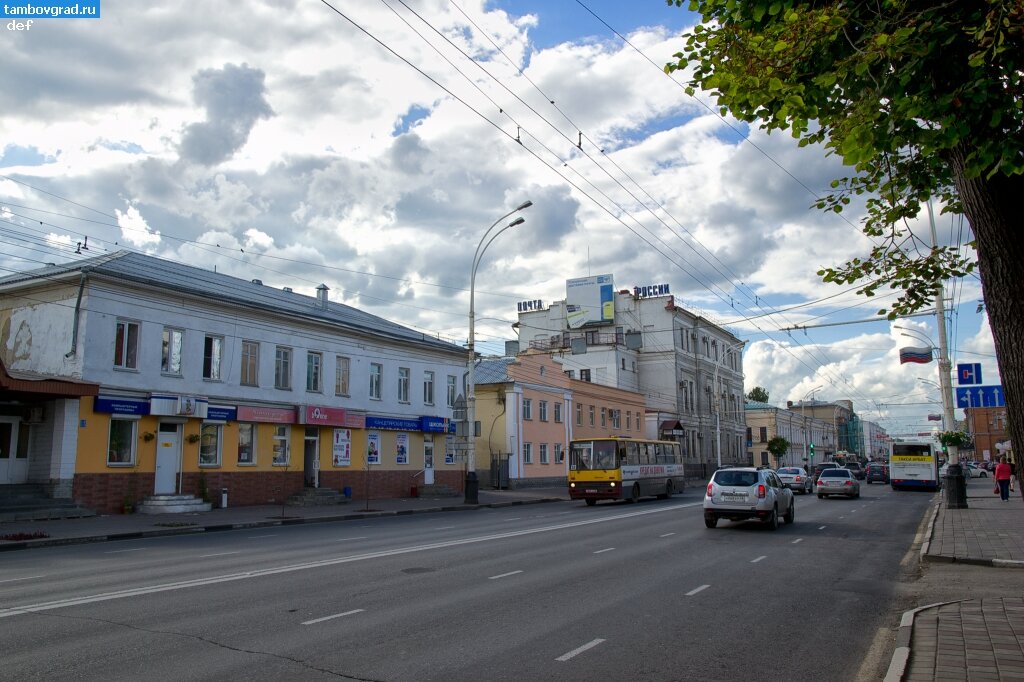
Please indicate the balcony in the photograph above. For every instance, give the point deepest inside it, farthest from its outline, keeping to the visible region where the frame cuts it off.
(564, 341)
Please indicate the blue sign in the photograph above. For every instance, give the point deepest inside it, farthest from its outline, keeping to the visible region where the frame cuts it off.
(436, 425)
(968, 374)
(120, 406)
(220, 413)
(393, 424)
(980, 396)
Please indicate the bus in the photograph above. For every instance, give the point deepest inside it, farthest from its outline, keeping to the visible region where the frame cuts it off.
(914, 464)
(617, 468)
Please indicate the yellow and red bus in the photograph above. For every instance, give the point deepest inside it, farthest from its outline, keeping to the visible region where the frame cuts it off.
(617, 468)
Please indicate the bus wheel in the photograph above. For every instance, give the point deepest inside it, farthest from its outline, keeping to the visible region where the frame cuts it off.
(668, 491)
(591, 502)
(635, 495)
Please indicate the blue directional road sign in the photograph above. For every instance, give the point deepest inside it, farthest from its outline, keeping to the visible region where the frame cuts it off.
(968, 374)
(980, 396)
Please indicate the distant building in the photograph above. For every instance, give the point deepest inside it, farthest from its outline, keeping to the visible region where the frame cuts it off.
(988, 429)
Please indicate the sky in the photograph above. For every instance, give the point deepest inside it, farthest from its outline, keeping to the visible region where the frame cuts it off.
(370, 145)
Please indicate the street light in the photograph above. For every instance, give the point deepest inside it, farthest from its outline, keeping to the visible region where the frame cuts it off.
(803, 418)
(716, 396)
(472, 485)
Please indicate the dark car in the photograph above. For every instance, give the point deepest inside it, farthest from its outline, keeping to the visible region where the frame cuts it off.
(856, 469)
(818, 468)
(876, 472)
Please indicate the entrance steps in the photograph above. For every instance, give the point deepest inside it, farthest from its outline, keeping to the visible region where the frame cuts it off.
(29, 502)
(172, 504)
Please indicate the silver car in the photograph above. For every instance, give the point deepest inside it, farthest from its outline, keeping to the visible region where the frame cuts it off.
(796, 479)
(740, 493)
(838, 482)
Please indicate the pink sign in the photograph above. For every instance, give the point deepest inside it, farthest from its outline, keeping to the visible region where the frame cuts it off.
(323, 416)
(274, 415)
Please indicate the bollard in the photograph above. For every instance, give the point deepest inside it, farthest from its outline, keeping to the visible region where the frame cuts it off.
(223, 498)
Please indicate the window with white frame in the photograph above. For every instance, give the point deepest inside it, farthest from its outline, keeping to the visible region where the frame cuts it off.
(249, 376)
(428, 387)
(213, 351)
(544, 454)
(126, 345)
(593, 412)
(314, 371)
(527, 453)
(170, 352)
(616, 419)
(283, 368)
(209, 445)
(121, 442)
(579, 414)
(558, 411)
(282, 436)
(246, 443)
(542, 410)
(559, 454)
(342, 372)
(450, 399)
(629, 420)
(403, 384)
(527, 408)
(604, 417)
(376, 377)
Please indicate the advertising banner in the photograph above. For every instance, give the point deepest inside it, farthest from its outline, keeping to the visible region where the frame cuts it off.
(402, 448)
(373, 448)
(342, 449)
(589, 300)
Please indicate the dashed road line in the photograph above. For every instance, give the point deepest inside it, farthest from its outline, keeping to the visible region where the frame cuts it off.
(666, 535)
(822, 527)
(796, 541)
(504, 575)
(444, 527)
(271, 535)
(579, 650)
(696, 590)
(606, 549)
(207, 556)
(122, 551)
(760, 558)
(27, 577)
(359, 537)
(332, 617)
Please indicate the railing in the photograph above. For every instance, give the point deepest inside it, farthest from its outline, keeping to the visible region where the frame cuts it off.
(564, 341)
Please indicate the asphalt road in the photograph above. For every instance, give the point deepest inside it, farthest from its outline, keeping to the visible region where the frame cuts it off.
(542, 592)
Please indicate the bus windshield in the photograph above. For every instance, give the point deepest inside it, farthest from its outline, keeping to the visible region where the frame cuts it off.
(592, 455)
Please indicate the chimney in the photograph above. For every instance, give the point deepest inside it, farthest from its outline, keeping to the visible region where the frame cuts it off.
(321, 295)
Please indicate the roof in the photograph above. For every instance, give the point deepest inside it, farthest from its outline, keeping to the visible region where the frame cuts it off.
(28, 382)
(128, 266)
(492, 371)
(754, 405)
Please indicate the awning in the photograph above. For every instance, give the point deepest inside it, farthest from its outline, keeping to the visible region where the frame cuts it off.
(44, 386)
(672, 427)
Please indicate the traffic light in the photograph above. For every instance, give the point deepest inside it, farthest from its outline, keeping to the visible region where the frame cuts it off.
(812, 450)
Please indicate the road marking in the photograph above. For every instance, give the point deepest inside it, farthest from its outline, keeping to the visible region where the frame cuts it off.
(515, 518)
(822, 527)
(361, 537)
(321, 563)
(121, 551)
(444, 527)
(337, 615)
(666, 535)
(842, 517)
(253, 537)
(796, 541)
(699, 589)
(579, 650)
(760, 558)
(606, 549)
(207, 556)
(504, 575)
(28, 577)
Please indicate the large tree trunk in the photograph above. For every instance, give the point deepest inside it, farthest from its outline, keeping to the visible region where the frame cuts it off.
(992, 207)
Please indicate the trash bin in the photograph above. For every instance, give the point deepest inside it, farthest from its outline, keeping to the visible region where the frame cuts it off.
(223, 498)
(347, 492)
(414, 492)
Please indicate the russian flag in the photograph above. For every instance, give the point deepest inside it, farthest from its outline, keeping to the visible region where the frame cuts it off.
(918, 355)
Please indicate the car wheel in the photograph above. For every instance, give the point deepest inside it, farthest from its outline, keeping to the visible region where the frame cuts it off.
(790, 516)
(668, 491)
(710, 521)
(634, 497)
(773, 520)
(982, 475)
(591, 502)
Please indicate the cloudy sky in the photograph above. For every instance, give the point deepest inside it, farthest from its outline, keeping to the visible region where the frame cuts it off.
(369, 145)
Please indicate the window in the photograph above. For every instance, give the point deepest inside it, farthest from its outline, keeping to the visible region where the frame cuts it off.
(584, 375)
(246, 443)
(592, 415)
(403, 384)
(283, 368)
(213, 350)
(126, 345)
(121, 443)
(629, 420)
(558, 412)
(604, 417)
(616, 419)
(428, 388)
(209, 445)
(559, 454)
(579, 414)
(342, 368)
(527, 408)
(544, 454)
(376, 377)
(762, 432)
(250, 363)
(314, 371)
(282, 434)
(170, 354)
(542, 410)
(451, 391)
(527, 453)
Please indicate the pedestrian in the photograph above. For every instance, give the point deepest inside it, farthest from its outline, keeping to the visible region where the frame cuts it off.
(1002, 476)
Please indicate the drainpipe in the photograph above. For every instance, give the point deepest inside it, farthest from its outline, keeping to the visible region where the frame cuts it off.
(78, 308)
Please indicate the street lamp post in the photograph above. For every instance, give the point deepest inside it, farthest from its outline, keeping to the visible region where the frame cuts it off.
(472, 484)
(803, 417)
(718, 416)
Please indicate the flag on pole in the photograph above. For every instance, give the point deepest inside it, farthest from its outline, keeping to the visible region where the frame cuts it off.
(919, 355)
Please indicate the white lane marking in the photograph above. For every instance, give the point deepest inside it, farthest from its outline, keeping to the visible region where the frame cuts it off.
(337, 615)
(27, 577)
(853, 511)
(321, 563)
(121, 551)
(666, 535)
(796, 541)
(760, 558)
(579, 650)
(504, 575)
(515, 518)
(271, 535)
(842, 517)
(361, 537)
(606, 549)
(444, 527)
(821, 527)
(699, 589)
(206, 556)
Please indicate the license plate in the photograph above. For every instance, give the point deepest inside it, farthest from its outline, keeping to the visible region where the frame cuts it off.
(734, 497)
(832, 483)
(591, 490)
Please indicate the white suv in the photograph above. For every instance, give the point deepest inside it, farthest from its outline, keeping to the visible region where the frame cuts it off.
(739, 493)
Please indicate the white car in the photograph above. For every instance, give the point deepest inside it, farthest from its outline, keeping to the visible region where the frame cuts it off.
(740, 493)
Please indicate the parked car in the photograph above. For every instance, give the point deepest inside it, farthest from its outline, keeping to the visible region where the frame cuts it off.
(855, 467)
(838, 482)
(740, 493)
(977, 471)
(876, 472)
(796, 479)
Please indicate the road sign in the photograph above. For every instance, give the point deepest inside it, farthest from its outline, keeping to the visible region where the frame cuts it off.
(980, 396)
(968, 374)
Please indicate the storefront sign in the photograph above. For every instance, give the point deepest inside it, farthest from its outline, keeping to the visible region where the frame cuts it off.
(392, 424)
(221, 413)
(437, 425)
(273, 415)
(112, 405)
(323, 416)
(651, 290)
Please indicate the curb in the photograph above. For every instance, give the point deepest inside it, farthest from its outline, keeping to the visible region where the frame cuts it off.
(901, 656)
(213, 528)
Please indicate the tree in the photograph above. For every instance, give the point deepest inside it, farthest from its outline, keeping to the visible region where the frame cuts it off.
(778, 446)
(922, 99)
(758, 395)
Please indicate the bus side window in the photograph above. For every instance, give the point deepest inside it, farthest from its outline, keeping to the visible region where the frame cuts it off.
(633, 453)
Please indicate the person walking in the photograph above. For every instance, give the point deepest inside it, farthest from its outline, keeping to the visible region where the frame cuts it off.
(1002, 476)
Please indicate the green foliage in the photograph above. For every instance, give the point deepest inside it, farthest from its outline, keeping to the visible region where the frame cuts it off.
(916, 97)
(758, 395)
(778, 446)
(956, 439)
